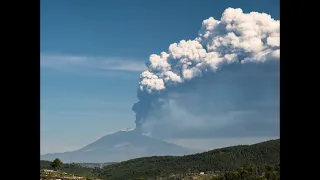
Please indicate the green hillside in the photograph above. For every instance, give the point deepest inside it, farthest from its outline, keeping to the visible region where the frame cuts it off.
(267, 172)
(224, 159)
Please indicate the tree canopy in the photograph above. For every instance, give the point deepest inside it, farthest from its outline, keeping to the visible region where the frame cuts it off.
(218, 160)
(56, 164)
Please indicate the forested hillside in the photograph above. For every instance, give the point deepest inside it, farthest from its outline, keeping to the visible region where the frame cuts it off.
(218, 160)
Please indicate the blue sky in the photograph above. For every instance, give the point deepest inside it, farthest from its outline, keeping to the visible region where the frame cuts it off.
(92, 53)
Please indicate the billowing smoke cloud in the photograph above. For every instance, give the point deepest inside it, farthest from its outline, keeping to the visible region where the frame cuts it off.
(237, 39)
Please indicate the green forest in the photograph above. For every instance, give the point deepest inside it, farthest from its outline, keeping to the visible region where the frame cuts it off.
(267, 172)
(257, 161)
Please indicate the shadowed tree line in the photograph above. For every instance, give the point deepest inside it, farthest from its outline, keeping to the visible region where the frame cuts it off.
(230, 163)
(215, 161)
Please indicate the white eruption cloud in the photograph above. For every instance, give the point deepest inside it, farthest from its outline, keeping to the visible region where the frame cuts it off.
(237, 38)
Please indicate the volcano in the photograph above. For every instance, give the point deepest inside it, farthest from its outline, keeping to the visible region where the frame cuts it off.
(120, 146)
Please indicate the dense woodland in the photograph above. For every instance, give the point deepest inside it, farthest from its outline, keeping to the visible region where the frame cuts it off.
(227, 162)
(267, 172)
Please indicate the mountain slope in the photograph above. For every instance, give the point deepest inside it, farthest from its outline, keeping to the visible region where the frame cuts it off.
(224, 159)
(120, 146)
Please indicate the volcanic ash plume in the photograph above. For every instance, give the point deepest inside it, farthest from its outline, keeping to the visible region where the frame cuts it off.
(237, 38)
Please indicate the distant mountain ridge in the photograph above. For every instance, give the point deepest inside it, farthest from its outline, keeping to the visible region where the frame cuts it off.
(119, 146)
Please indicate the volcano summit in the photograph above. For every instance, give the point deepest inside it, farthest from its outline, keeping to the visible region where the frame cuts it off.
(120, 146)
